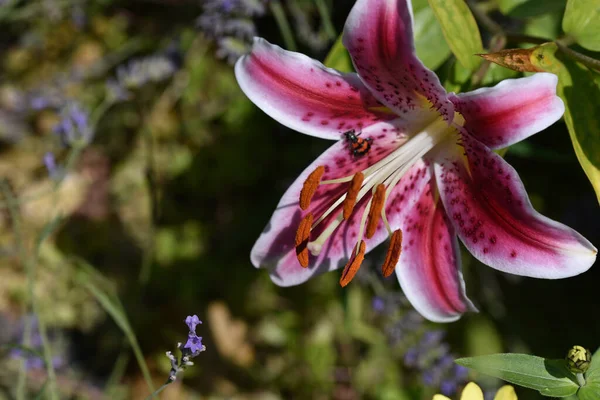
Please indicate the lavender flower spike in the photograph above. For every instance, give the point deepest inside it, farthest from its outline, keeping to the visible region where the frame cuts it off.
(191, 349)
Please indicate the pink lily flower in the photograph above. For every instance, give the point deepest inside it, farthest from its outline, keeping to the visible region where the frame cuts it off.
(409, 161)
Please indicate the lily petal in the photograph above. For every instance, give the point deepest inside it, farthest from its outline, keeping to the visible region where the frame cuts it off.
(429, 267)
(275, 250)
(304, 95)
(489, 208)
(379, 36)
(512, 110)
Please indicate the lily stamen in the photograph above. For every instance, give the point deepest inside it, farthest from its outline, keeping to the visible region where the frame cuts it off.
(375, 210)
(352, 194)
(302, 237)
(310, 186)
(353, 264)
(393, 254)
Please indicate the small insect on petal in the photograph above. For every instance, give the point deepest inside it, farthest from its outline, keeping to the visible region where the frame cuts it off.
(393, 254)
(352, 194)
(310, 186)
(354, 264)
(302, 236)
(375, 210)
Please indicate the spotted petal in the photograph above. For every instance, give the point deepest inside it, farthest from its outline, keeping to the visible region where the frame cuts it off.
(275, 247)
(489, 208)
(379, 36)
(512, 110)
(429, 267)
(304, 95)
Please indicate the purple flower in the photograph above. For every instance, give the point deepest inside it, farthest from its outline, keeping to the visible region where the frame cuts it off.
(192, 322)
(194, 342)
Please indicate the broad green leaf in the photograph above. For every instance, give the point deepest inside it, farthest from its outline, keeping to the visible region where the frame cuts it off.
(592, 375)
(431, 47)
(460, 30)
(544, 26)
(582, 21)
(338, 57)
(549, 377)
(580, 94)
(591, 391)
(529, 8)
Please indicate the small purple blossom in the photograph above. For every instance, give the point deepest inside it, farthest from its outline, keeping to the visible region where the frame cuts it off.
(192, 321)
(194, 342)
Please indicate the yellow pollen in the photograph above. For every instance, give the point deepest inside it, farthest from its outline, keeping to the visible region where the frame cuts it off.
(353, 264)
(352, 194)
(310, 186)
(393, 254)
(375, 210)
(302, 236)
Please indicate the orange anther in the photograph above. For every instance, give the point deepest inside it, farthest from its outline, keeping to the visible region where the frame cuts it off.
(352, 194)
(302, 236)
(353, 264)
(310, 186)
(375, 210)
(393, 254)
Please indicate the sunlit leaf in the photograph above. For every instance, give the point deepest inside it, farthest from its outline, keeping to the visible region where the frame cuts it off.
(338, 57)
(577, 88)
(581, 21)
(460, 30)
(549, 377)
(431, 46)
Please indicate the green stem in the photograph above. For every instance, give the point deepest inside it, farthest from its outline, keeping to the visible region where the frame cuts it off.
(580, 379)
(582, 58)
(283, 24)
(160, 389)
(326, 19)
(29, 263)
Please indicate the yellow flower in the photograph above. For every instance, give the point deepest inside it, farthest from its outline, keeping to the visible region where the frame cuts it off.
(473, 392)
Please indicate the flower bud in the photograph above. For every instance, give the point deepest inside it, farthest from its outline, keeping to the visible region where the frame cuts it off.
(578, 359)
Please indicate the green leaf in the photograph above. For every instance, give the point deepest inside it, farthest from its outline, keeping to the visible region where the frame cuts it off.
(549, 377)
(338, 57)
(581, 21)
(591, 391)
(592, 375)
(431, 47)
(460, 30)
(579, 92)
